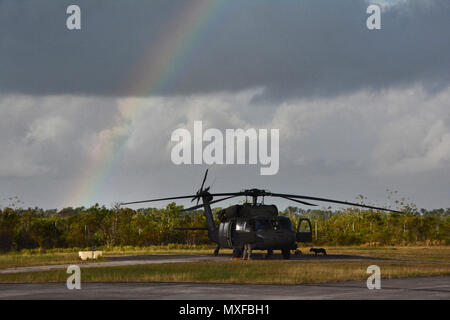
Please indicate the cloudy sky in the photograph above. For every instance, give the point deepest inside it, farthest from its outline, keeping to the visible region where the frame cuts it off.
(86, 115)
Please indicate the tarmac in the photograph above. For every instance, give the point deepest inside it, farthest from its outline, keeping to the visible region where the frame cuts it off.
(432, 288)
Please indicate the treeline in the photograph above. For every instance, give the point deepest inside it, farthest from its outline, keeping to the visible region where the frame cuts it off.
(357, 227)
(100, 226)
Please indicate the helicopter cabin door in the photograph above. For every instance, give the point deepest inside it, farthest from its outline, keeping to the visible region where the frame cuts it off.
(304, 231)
(241, 233)
(225, 234)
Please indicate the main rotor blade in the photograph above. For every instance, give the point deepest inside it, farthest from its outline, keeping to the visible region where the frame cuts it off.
(332, 201)
(302, 202)
(154, 200)
(201, 205)
(235, 194)
(204, 179)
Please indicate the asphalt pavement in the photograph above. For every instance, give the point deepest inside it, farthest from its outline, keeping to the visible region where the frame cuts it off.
(404, 289)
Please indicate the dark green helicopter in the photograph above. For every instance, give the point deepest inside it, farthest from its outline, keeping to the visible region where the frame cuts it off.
(255, 223)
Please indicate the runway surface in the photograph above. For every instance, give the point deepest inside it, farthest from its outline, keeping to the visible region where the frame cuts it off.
(404, 289)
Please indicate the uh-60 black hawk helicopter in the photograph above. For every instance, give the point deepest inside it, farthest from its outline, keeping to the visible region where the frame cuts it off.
(253, 223)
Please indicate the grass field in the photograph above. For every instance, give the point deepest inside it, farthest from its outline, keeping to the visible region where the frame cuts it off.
(257, 272)
(28, 258)
(65, 256)
(441, 254)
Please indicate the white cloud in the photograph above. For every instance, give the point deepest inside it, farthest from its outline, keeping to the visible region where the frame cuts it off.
(415, 137)
(365, 137)
(401, 4)
(45, 129)
(41, 135)
(18, 162)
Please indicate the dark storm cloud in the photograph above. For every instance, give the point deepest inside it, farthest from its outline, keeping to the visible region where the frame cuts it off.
(292, 48)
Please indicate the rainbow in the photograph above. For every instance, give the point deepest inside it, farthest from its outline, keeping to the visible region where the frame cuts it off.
(166, 56)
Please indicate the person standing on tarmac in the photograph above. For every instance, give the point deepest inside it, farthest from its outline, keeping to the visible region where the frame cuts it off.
(248, 247)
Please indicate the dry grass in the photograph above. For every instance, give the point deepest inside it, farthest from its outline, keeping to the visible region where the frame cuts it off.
(437, 253)
(25, 260)
(36, 257)
(256, 272)
(69, 256)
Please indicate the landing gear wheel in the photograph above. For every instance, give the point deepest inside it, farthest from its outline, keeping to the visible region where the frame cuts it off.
(269, 254)
(286, 254)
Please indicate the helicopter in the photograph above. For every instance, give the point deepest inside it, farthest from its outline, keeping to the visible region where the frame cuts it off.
(255, 223)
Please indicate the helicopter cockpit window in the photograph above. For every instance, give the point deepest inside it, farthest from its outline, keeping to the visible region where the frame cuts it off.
(262, 225)
(285, 224)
